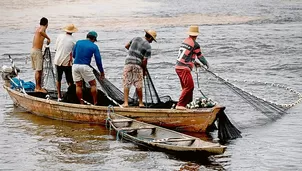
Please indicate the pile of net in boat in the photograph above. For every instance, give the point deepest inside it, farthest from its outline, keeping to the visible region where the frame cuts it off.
(202, 102)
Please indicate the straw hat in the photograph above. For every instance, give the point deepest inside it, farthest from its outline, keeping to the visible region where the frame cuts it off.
(193, 31)
(70, 28)
(152, 33)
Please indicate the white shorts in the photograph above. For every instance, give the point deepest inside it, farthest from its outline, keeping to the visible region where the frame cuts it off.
(82, 72)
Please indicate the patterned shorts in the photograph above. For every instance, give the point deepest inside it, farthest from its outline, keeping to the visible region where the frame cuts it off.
(133, 75)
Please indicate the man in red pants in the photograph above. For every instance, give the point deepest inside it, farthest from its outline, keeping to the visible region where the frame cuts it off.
(189, 51)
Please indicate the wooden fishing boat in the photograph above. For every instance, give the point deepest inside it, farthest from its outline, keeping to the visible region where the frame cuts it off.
(159, 138)
(191, 120)
(200, 119)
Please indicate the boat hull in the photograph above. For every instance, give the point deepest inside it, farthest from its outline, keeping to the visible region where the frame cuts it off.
(190, 120)
(161, 139)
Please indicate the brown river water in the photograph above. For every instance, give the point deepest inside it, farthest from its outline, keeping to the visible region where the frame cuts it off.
(242, 40)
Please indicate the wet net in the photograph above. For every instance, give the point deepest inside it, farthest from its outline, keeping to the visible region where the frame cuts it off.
(271, 109)
(150, 96)
(48, 76)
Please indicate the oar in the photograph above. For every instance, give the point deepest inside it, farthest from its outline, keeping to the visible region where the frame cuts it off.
(15, 70)
(97, 75)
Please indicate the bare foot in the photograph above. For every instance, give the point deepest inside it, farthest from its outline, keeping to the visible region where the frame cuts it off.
(180, 108)
(125, 105)
(42, 90)
(141, 105)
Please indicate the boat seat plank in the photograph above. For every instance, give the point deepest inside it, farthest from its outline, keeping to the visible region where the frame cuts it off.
(121, 120)
(173, 140)
(136, 129)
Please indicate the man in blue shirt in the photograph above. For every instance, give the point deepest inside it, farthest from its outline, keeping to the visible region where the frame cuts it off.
(81, 70)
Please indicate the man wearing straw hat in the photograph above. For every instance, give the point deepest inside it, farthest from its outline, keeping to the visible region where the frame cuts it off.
(136, 63)
(63, 58)
(188, 52)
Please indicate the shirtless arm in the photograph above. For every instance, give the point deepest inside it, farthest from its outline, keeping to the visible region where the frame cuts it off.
(43, 33)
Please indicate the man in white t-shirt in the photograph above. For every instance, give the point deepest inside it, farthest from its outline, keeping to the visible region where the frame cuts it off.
(63, 58)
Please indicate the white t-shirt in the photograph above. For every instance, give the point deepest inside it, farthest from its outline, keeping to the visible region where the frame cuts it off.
(64, 46)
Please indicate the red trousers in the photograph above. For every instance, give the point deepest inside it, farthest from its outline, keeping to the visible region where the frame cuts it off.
(187, 85)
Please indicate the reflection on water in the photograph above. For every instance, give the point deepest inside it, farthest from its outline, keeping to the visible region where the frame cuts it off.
(57, 143)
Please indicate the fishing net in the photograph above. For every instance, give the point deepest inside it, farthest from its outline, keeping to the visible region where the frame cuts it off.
(271, 109)
(150, 95)
(48, 76)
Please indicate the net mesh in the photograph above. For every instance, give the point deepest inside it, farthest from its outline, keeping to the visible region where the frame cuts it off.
(48, 76)
(271, 110)
(150, 95)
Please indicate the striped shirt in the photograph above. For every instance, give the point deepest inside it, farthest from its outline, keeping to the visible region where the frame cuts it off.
(188, 52)
(139, 49)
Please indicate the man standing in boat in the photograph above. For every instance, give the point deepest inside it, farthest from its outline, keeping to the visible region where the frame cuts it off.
(36, 52)
(63, 58)
(189, 51)
(83, 52)
(136, 64)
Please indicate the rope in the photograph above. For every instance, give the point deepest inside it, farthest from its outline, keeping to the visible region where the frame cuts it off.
(108, 119)
(197, 78)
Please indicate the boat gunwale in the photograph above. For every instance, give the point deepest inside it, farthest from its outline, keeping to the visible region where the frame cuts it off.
(116, 108)
(181, 148)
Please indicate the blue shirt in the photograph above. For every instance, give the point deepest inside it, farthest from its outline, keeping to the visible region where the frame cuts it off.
(83, 52)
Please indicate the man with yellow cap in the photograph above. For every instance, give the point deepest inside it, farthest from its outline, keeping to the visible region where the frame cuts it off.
(136, 63)
(63, 57)
(188, 52)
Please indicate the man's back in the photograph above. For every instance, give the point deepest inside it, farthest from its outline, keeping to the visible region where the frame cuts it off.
(64, 47)
(38, 38)
(140, 48)
(83, 52)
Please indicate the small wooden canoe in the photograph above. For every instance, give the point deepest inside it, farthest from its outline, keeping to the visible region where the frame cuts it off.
(191, 120)
(160, 138)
